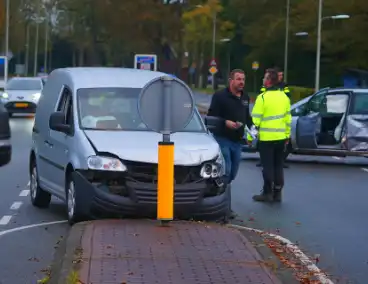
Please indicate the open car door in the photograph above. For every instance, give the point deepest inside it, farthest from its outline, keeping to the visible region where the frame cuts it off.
(356, 137)
(307, 129)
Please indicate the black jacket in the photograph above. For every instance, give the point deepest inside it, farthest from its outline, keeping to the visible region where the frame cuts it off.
(227, 106)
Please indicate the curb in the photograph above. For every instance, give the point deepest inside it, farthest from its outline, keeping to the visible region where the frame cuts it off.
(64, 261)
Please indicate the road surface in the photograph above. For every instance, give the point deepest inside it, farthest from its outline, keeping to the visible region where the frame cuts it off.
(324, 209)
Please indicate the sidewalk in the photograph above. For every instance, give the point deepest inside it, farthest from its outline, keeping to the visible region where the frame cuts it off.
(141, 251)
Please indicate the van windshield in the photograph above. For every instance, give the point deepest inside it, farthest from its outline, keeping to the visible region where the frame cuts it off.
(117, 109)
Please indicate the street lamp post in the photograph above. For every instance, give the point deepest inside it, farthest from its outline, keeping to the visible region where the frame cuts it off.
(286, 40)
(214, 45)
(7, 38)
(319, 32)
(228, 54)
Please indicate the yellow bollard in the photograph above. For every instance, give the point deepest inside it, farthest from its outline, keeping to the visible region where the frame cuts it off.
(165, 184)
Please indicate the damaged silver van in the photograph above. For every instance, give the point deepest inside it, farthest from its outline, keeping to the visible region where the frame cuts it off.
(332, 122)
(91, 149)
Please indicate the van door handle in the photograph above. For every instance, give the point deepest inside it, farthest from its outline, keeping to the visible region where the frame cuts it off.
(48, 144)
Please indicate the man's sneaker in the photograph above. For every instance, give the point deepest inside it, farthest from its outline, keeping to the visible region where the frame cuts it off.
(263, 197)
(232, 215)
(286, 166)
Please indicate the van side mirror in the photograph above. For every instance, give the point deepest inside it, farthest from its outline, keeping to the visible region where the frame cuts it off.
(213, 122)
(57, 122)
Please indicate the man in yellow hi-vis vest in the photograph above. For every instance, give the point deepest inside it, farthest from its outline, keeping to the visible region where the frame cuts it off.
(283, 86)
(271, 117)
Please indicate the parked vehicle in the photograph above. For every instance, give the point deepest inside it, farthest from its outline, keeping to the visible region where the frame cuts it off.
(332, 122)
(91, 149)
(5, 145)
(21, 94)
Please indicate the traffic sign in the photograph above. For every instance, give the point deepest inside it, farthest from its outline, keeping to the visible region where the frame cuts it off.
(213, 62)
(213, 70)
(3, 71)
(145, 62)
(166, 105)
(255, 65)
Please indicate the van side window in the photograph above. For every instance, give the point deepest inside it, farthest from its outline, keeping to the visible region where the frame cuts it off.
(64, 99)
(69, 112)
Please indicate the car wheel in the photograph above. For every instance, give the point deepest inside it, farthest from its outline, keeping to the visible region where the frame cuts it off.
(73, 200)
(39, 197)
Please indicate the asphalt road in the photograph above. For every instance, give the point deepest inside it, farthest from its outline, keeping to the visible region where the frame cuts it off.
(27, 253)
(325, 210)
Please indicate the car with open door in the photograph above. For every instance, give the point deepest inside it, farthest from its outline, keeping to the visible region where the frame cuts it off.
(332, 122)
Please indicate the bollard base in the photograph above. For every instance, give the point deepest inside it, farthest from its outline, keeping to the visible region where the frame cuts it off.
(165, 223)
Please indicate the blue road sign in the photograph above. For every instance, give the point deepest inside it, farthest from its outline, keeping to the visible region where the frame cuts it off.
(145, 62)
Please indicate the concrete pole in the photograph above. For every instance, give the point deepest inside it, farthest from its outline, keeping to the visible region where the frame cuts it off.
(286, 55)
(318, 54)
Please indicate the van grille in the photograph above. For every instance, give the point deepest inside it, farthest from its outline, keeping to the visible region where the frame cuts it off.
(147, 173)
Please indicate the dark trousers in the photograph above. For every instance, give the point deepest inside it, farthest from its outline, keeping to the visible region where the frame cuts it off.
(272, 159)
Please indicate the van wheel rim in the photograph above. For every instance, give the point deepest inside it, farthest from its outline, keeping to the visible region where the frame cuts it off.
(33, 183)
(71, 200)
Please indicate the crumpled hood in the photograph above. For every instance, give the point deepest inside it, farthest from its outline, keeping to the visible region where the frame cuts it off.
(142, 146)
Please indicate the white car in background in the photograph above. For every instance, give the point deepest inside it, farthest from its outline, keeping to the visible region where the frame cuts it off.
(21, 95)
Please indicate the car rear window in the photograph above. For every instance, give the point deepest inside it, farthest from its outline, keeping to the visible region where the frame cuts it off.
(360, 104)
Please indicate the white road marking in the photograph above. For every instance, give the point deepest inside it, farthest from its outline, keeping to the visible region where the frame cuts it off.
(336, 158)
(16, 205)
(24, 192)
(365, 170)
(5, 219)
(22, 228)
(296, 251)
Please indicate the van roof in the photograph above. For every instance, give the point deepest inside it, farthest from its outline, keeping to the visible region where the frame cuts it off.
(100, 77)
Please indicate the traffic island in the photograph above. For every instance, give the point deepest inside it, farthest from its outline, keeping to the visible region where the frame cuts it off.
(142, 251)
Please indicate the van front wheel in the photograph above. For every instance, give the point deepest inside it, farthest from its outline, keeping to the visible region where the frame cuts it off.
(73, 202)
(39, 197)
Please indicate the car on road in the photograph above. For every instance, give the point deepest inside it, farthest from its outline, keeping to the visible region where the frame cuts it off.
(91, 149)
(331, 122)
(5, 145)
(21, 94)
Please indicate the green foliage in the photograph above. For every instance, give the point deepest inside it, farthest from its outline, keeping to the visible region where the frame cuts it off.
(298, 93)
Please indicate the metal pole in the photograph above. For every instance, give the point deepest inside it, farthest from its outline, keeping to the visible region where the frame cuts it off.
(214, 45)
(229, 60)
(318, 55)
(46, 43)
(286, 40)
(7, 39)
(167, 108)
(26, 68)
(36, 41)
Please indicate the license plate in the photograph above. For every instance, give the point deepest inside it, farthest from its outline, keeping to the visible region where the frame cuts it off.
(21, 105)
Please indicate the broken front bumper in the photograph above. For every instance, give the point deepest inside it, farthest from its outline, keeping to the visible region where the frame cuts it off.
(202, 200)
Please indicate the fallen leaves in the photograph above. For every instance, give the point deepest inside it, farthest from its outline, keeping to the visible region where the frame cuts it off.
(286, 256)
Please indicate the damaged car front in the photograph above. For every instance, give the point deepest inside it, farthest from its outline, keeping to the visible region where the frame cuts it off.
(121, 177)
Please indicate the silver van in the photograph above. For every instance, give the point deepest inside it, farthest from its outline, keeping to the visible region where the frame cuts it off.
(91, 149)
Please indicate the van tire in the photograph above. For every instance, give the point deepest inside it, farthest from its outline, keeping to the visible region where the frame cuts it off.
(39, 197)
(74, 210)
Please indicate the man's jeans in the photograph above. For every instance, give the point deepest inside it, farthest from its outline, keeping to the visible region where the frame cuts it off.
(232, 156)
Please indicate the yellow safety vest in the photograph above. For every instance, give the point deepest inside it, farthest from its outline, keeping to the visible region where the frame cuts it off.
(271, 115)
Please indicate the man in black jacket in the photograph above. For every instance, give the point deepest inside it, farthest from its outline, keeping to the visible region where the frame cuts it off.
(231, 105)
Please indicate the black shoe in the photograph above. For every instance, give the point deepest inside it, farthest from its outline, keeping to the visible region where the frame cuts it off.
(277, 196)
(259, 165)
(232, 215)
(286, 166)
(263, 197)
